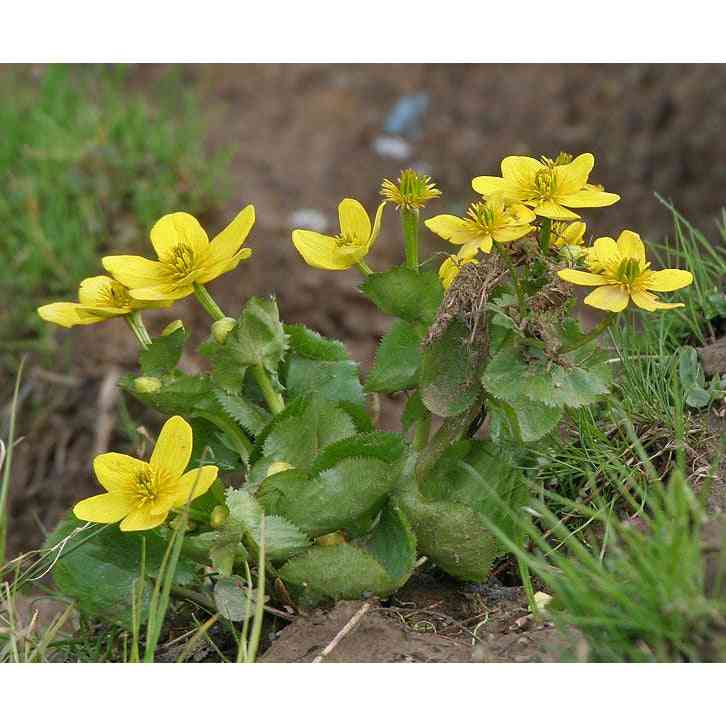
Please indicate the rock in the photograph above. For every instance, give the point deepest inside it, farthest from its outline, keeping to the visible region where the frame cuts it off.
(392, 147)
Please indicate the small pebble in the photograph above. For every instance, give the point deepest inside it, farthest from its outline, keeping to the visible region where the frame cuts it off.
(312, 219)
(392, 147)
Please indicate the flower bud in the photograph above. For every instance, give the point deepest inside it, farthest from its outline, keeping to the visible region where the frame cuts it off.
(572, 253)
(328, 540)
(221, 329)
(147, 384)
(277, 466)
(173, 327)
(219, 515)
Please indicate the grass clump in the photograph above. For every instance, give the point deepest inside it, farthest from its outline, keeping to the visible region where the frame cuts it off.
(88, 163)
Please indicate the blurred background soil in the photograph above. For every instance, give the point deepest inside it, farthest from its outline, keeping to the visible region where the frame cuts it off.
(301, 137)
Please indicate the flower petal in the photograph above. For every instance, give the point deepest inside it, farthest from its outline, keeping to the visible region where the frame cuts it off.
(609, 297)
(226, 244)
(519, 172)
(571, 235)
(173, 447)
(118, 472)
(211, 272)
(552, 210)
(606, 251)
(64, 314)
(141, 519)
(588, 198)
(521, 214)
(573, 176)
(100, 291)
(453, 229)
(668, 280)
(650, 302)
(179, 228)
(577, 277)
(354, 220)
(515, 231)
(376, 226)
(195, 483)
(134, 271)
(322, 250)
(103, 508)
(630, 245)
(487, 185)
(470, 249)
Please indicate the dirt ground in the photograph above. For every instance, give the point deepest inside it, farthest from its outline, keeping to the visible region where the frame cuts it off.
(303, 137)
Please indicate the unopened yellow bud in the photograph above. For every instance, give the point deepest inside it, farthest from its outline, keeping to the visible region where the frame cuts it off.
(147, 384)
(173, 327)
(219, 515)
(222, 328)
(328, 540)
(277, 466)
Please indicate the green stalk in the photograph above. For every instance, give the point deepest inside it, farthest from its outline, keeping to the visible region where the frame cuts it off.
(244, 445)
(544, 235)
(504, 252)
(596, 332)
(7, 465)
(409, 219)
(254, 642)
(138, 328)
(208, 302)
(422, 432)
(274, 400)
(364, 269)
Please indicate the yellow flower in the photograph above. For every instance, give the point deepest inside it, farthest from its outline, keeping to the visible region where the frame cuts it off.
(626, 275)
(185, 254)
(492, 220)
(567, 234)
(346, 249)
(451, 267)
(547, 186)
(141, 494)
(99, 298)
(412, 191)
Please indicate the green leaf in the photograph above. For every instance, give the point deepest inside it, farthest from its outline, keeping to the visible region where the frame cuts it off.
(309, 344)
(282, 538)
(298, 439)
(522, 419)
(99, 574)
(690, 370)
(179, 395)
(334, 380)
(413, 411)
(450, 372)
(385, 446)
(257, 339)
(163, 354)
(251, 417)
(232, 599)
(452, 535)
(393, 544)
(338, 572)
(206, 435)
(397, 360)
(405, 293)
(511, 377)
(697, 397)
(485, 478)
(330, 500)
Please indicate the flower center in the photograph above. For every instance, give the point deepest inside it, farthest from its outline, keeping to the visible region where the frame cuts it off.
(146, 488)
(545, 182)
(116, 296)
(483, 216)
(181, 260)
(629, 271)
(347, 241)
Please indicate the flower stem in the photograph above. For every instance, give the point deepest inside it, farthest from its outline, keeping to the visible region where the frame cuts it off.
(208, 302)
(364, 269)
(422, 432)
(596, 332)
(544, 235)
(409, 219)
(274, 400)
(504, 252)
(138, 328)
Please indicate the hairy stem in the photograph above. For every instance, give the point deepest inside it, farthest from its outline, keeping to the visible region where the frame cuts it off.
(138, 328)
(364, 269)
(274, 400)
(409, 219)
(208, 302)
(545, 235)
